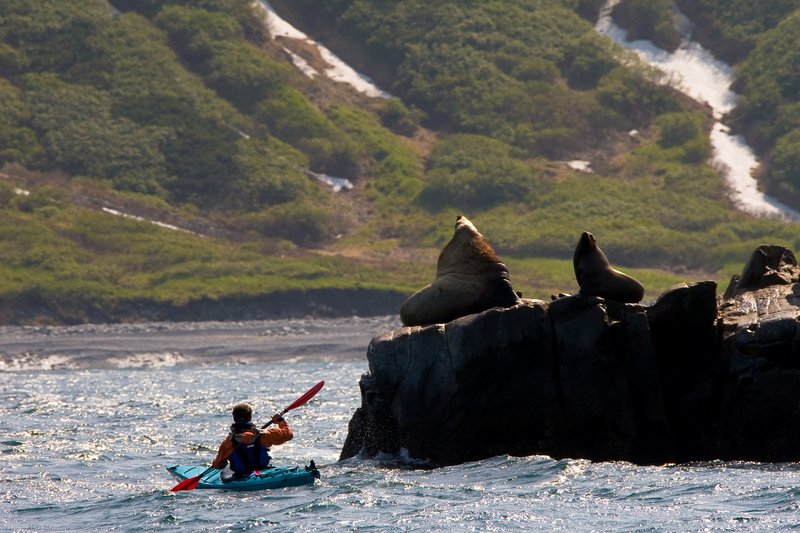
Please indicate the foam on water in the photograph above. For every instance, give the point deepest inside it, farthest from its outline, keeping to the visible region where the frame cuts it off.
(170, 344)
(27, 361)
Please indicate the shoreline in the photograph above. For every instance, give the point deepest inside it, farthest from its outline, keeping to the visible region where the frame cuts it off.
(168, 344)
(34, 308)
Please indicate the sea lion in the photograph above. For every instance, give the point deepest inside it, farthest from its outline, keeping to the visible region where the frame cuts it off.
(596, 277)
(469, 279)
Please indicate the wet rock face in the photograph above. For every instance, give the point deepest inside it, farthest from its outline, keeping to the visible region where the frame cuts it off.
(768, 266)
(684, 334)
(691, 377)
(535, 378)
(760, 413)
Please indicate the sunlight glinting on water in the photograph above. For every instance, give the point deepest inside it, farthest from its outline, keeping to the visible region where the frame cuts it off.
(86, 449)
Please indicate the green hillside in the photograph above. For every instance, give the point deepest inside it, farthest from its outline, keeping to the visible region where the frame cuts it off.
(759, 37)
(188, 113)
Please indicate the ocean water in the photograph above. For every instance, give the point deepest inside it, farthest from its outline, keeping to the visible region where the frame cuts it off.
(86, 434)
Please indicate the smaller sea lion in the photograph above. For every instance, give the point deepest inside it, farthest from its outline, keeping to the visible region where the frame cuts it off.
(596, 277)
(469, 279)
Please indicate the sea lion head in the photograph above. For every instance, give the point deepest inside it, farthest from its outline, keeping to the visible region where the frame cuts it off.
(587, 250)
(467, 252)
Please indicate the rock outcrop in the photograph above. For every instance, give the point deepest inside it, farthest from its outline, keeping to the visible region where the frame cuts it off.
(693, 376)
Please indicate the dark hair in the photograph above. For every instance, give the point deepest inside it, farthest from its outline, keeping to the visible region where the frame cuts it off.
(242, 413)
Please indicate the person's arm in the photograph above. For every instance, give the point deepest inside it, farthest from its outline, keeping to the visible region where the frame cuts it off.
(225, 451)
(278, 435)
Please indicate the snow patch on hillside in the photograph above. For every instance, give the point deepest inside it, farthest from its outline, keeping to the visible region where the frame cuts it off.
(337, 69)
(695, 71)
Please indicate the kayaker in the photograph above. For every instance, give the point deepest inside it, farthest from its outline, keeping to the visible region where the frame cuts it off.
(247, 446)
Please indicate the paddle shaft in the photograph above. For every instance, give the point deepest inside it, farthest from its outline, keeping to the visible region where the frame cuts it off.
(310, 393)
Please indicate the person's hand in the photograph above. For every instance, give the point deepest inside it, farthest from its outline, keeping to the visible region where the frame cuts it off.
(277, 417)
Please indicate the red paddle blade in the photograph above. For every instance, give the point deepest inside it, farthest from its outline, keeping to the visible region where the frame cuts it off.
(187, 484)
(305, 397)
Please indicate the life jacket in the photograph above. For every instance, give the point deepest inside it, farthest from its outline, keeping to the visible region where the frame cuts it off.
(248, 452)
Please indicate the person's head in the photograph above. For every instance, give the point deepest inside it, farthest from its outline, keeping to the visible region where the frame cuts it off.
(242, 413)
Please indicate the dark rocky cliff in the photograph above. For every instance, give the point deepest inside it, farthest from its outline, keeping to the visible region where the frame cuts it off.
(693, 376)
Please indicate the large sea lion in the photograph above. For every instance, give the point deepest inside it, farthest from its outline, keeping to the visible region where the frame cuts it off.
(469, 279)
(596, 277)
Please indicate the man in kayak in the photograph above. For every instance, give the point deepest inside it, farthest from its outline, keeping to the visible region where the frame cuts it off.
(247, 446)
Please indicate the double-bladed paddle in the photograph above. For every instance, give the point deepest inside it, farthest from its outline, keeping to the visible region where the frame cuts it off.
(192, 482)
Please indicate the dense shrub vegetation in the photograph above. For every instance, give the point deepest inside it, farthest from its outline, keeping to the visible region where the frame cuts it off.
(188, 109)
(119, 104)
(761, 38)
(731, 27)
(653, 20)
(520, 72)
(770, 110)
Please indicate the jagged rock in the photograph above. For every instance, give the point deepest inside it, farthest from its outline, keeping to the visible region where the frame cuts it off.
(576, 377)
(691, 377)
(759, 417)
(769, 265)
(683, 326)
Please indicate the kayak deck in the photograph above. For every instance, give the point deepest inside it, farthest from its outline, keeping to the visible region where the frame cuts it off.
(272, 477)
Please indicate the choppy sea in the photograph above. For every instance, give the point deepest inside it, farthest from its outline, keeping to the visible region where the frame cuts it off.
(90, 416)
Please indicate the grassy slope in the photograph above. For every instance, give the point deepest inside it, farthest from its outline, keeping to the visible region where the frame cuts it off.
(660, 219)
(651, 208)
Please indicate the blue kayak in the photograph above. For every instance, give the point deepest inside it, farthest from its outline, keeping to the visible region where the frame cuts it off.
(272, 477)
